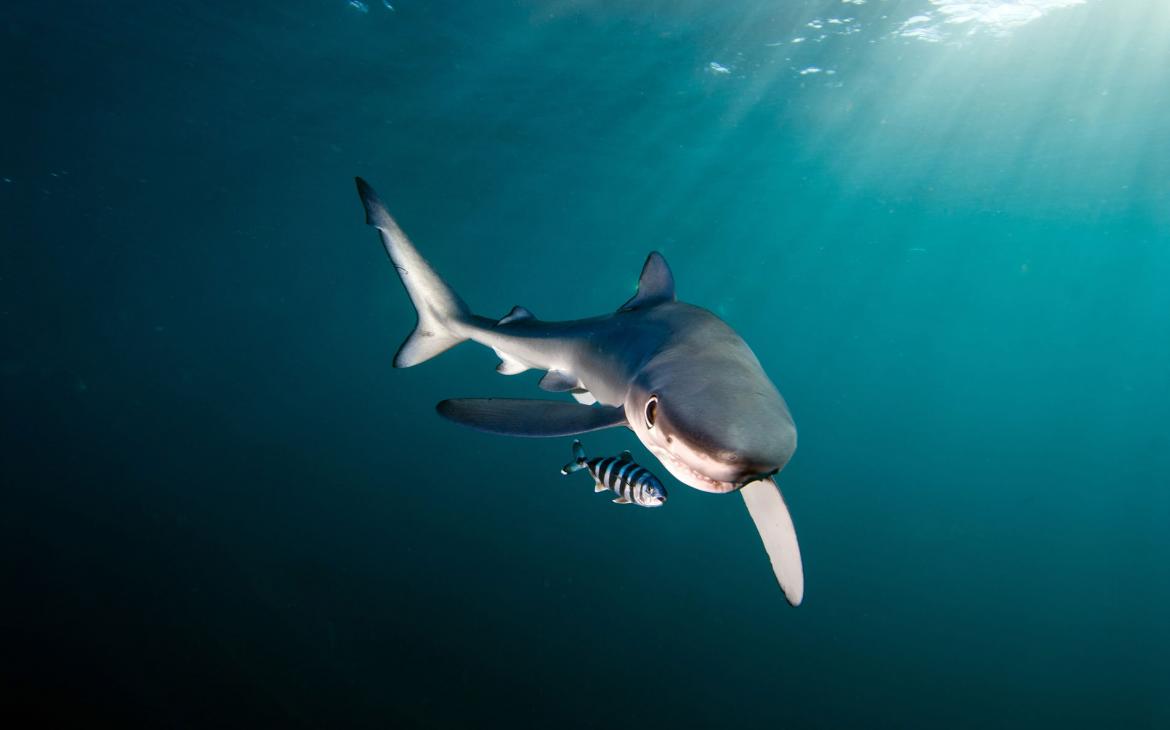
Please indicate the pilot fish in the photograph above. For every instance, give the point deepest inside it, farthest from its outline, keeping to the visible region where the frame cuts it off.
(630, 482)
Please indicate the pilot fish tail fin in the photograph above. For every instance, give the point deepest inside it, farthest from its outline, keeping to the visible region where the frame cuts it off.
(440, 310)
(578, 462)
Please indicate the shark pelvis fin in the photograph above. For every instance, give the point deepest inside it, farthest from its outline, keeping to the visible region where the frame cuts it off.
(555, 381)
(766, 506)
(583, 396)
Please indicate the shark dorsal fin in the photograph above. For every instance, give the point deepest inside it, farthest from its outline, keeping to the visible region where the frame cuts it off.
(518, 313)
(655, 285)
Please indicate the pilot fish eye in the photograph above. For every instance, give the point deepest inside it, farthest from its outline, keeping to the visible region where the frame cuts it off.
(651, 411)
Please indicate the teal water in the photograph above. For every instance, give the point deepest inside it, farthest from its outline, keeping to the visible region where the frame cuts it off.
(951, 253)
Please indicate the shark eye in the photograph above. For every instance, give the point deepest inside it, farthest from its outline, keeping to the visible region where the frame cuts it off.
(651, 411)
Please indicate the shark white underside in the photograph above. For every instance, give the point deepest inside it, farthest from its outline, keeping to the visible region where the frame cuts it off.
(676, 375)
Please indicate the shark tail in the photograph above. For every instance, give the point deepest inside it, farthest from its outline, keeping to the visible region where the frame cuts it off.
(440, 310)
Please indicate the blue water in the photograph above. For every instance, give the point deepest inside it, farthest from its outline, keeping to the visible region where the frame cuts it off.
(947, 242)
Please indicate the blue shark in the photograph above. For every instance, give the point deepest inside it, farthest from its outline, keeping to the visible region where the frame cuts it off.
(675, 374)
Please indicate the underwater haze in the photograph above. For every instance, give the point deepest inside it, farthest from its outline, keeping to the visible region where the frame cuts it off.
(943, 227)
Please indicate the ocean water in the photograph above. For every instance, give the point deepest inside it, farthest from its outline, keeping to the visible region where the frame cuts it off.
(944, 228)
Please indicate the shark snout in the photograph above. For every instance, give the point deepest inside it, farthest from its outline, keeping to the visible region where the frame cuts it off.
(724, 459)
(751, 466)
(762, 458)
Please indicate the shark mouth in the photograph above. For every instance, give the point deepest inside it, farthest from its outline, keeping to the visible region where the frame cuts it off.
(689, 476)
(757, 478)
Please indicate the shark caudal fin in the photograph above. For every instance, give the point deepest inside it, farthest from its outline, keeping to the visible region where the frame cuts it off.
(439, 309)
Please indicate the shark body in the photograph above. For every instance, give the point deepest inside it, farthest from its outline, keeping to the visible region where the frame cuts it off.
(675, 374)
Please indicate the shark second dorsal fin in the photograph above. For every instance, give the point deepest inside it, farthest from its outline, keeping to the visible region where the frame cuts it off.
(518, 313)
(655, 285)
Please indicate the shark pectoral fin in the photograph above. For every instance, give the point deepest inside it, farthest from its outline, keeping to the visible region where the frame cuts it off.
(766, 506)
(598, 487)
(536, 418)
(555, 381)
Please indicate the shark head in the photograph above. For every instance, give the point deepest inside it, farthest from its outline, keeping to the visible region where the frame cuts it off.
(710, 414)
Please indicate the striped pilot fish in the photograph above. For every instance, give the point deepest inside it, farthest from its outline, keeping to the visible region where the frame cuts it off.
(630, 482)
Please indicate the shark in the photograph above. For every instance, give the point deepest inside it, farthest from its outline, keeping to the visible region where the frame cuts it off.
(675, 374)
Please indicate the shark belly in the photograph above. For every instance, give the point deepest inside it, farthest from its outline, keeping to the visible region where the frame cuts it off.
(579, 350)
